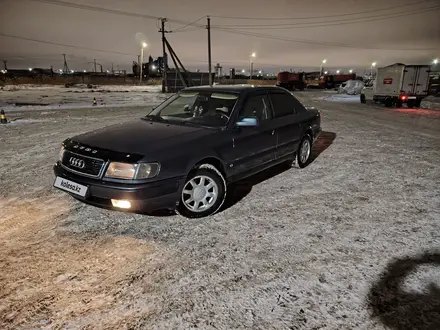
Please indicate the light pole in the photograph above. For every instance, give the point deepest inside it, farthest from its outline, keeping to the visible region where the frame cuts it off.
(251, 64)
(372, 66)
(141, 61)
(322, 63)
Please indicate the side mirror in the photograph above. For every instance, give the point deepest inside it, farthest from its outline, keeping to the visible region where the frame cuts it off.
(247, 122)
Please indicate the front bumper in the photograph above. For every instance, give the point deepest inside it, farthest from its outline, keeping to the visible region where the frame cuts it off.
(144, 197)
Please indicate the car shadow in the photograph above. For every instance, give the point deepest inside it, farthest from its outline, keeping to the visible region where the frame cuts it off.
(399, 309)
(324, 141)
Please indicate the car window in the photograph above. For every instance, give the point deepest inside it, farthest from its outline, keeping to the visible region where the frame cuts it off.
(197, 108)
(257, 106)
(283, 104)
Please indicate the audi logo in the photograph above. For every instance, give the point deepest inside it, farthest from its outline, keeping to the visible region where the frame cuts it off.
(76, 162)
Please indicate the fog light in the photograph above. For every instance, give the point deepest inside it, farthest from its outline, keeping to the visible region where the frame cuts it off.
(122, 204)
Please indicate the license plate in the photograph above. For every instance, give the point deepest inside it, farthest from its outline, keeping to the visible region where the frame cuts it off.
(70, 186)
(411, 97)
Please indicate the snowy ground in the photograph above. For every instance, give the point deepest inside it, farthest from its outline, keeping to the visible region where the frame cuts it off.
(36, 97)
(429, 103)
(350, 242)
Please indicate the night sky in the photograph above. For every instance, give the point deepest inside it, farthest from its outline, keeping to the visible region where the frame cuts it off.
(393, 30)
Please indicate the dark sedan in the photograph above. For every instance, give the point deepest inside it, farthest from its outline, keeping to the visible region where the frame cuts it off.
(185, 152)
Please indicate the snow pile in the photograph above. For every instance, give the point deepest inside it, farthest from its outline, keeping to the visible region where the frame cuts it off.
(431, 102)
(351, 87)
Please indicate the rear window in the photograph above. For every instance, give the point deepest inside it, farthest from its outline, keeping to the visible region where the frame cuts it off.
(283, 105)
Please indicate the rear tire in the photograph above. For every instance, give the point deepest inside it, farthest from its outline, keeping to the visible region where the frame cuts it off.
(203, 193)
(389, 102)
(363, 99)
(304, 152)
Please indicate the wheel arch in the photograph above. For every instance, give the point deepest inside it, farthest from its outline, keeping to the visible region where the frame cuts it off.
(211, 160)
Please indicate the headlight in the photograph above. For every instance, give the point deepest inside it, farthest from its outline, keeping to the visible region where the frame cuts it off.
(61, 154)
(132, 171)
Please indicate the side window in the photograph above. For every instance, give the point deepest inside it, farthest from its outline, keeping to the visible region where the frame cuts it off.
(257, 106)
(283, 104)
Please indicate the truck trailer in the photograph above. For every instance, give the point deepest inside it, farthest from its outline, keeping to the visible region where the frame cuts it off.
(291, 80)
(399, 84)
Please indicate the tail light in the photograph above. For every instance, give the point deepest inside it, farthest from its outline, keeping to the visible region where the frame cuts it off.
(403, 97)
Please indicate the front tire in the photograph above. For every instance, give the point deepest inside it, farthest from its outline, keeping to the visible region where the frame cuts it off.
(203, 193)
(304, 152)
(363, 99)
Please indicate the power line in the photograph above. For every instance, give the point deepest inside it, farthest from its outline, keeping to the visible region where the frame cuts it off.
(321, 43)
(97, 9)
(189, 30)
(189, 24)
(64, 45)
(224, 29)
(332, 22)
(318, 17)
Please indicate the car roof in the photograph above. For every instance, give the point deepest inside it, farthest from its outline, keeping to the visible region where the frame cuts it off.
(230, 88)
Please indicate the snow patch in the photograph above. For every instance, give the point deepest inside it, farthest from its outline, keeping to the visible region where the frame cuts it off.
(351, 87)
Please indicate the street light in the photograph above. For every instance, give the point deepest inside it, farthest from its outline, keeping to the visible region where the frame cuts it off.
(243, 71)
(251, 64)
(322, 63)
(144, 45)
(337, 71)
(435, 61)
(372, 66)
(30, 69)
(350, 71)
(325, 72)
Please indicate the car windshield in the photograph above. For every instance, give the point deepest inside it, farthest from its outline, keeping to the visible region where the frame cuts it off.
(211, 109)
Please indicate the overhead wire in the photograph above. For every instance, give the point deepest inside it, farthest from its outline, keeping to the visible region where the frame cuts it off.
(63, 45)
(230, 29)
(189, 24)
(328, 23)
(323, 16)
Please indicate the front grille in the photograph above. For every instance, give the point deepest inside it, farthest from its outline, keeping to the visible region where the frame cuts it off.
(85, 165)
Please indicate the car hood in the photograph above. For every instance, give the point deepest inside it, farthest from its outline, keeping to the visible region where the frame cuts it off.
(141, 136)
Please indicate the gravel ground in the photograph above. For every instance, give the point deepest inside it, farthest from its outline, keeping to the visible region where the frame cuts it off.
(349, 242)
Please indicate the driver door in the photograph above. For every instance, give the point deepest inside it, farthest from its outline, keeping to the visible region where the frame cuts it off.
(254, 147)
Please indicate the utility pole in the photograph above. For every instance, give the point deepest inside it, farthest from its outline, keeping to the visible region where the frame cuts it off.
(209, 50)
(164, 75)
(5, 63)
(94, 63)
(65, 67)
(113, 70)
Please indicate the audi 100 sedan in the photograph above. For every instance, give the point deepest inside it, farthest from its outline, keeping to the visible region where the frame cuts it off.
(185, 152)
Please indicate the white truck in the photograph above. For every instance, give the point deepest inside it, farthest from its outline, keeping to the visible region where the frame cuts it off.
(398, 84)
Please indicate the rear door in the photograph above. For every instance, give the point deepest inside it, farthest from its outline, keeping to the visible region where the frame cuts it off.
(286, 121)
(422, 82)
(409, 80)
(253, 147)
